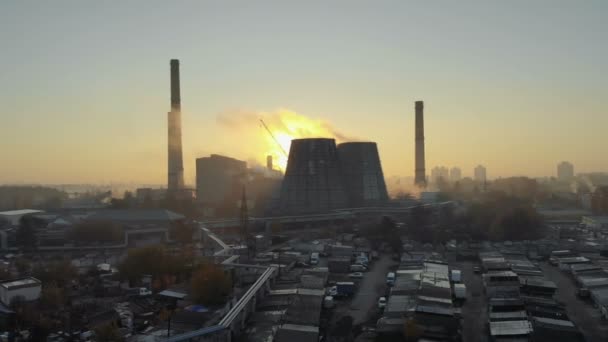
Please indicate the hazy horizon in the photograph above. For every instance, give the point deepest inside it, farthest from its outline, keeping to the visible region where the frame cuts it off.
(517, 87)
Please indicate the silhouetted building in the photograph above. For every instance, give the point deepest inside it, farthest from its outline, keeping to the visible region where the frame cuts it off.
(174, 117)
(599, 200)
(219, 181)
(313, 180)
(269, 162)
(480, 174)
(420, 161)
(440, 173)
(362, 174)
(565, 171)
(455, 174)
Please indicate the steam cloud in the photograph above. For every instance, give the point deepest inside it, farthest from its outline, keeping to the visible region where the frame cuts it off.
(283, 120)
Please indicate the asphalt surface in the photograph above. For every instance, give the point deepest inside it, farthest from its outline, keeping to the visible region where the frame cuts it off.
(371, 287)
(582, 313)
(475, 308)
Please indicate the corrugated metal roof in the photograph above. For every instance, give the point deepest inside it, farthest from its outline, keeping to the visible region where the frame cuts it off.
(510, 328)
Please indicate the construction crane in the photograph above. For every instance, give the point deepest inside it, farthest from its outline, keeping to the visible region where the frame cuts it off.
(273, 138)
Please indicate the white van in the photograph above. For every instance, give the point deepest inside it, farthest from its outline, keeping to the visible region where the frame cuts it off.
(390, 278)
(314, 258)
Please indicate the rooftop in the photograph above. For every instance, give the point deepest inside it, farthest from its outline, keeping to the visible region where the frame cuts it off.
(20, 283)
(510, 328)
(19, 212)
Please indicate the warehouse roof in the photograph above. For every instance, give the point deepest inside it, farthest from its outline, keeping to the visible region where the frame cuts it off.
(20, 283)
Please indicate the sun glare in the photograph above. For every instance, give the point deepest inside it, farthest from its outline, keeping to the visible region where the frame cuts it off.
(286, 125)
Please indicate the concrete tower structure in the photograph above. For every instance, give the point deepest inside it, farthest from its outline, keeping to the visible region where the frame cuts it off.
(420, 179)
(362, 174)
(313, 180)
(175, 163)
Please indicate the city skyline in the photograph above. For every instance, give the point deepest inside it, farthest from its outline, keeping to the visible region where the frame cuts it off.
(97, 112)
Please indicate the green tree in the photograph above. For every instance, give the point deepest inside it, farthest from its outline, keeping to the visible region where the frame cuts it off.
(60, 272)
(210, 284)
(5, 274)
(52, 296)
(108, 333)
(164, 267)
(23, 266)
(411, 331)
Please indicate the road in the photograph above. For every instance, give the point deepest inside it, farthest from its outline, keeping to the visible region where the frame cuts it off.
(583, 314)
(474, 310)
(372, 286)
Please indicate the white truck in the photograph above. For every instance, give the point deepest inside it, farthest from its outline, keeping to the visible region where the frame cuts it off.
(460, 291)
(456, 276)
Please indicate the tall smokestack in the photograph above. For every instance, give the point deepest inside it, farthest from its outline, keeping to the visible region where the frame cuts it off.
(175, 92)
(174, 117)
(269, 162)
(420, 168)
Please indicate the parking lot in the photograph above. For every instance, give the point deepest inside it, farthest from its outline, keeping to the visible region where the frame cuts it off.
(581, 312)
(363, 306)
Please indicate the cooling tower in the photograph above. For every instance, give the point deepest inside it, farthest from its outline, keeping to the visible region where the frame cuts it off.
(362, 174)
(312, 181)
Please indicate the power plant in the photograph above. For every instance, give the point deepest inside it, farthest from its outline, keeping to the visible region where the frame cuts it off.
(362, 174)
(420, 179)
(321, 177)
(175, 163)
(313, 179)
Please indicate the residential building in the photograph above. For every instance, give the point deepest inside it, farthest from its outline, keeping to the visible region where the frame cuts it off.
(565, 171)
(480, 174)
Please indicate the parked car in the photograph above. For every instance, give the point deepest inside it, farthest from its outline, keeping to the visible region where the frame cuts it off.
(332, 291)
(358, 268)
(381, 303)
(356, 275)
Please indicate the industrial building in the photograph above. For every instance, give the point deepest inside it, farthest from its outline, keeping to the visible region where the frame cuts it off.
(219, 180)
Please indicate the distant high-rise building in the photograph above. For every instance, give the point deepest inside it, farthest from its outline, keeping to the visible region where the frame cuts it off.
(420, 179)
(480, 174)
(455, 174)
(440, 173)
(175, 163)
(269, 162)
(565, 171)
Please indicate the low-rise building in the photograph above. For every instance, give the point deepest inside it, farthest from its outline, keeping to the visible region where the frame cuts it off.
(27, 289)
